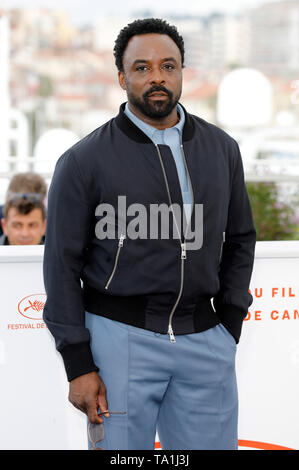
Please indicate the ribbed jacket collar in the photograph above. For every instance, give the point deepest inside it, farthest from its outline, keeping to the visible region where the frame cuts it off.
(136, 134)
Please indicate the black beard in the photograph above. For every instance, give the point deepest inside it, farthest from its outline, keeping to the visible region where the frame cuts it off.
(159, 108)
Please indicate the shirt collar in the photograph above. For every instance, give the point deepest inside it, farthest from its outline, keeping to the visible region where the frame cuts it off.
(150, 130)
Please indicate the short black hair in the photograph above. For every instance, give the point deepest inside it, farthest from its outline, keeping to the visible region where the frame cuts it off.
(145, 26)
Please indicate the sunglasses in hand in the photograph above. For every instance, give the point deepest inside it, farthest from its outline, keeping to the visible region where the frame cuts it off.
(96, 432)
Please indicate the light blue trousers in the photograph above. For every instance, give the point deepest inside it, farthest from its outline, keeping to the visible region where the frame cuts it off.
(186, 391)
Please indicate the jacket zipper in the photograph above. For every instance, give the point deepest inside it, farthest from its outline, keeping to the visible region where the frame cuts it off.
(182, 243)
(120, 245)
(221, 248)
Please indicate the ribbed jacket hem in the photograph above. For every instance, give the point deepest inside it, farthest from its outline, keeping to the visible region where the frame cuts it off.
(232, 318)
(77, 360)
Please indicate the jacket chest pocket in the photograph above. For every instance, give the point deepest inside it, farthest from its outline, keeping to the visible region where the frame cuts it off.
(116, 258)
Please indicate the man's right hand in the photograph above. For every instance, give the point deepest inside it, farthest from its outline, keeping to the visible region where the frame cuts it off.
(88, 393)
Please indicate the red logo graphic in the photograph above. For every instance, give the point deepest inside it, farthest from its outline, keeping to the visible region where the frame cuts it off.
(32, 306)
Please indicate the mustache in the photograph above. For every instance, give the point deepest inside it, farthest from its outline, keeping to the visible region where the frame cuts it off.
(157, 88)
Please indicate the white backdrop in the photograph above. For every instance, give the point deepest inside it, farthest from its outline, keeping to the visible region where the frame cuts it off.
(34, 409)
(268, 352)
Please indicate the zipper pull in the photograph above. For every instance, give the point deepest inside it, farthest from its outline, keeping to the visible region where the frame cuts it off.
(171, 335)
(183, 251)
(121, 240)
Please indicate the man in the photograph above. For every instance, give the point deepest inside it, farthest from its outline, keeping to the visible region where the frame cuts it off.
(26, 182)
(153, 331)
(24, 220)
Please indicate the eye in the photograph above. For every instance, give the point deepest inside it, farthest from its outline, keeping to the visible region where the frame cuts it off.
(142, 68)
(169, 66)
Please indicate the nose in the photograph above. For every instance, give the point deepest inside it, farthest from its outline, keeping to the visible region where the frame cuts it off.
(157, 77)
(157, 81)
(25, 233)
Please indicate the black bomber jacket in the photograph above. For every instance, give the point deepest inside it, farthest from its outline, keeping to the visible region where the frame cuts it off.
(156, 283)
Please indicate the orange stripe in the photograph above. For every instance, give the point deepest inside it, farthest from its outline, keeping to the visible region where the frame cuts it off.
(252, 444)
(262, 445)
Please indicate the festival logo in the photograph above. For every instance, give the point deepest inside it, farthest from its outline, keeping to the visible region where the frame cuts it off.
(32, 306)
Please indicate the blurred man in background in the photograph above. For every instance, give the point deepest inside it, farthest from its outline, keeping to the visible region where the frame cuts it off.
(24, 221)
(27, 182)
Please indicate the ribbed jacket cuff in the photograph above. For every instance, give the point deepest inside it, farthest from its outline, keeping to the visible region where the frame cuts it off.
(232, 318)
(77, 360)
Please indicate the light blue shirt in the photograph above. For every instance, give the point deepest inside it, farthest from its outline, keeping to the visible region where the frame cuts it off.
(172, 136)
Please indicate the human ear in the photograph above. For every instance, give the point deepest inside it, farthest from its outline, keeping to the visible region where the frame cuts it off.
(121, 80)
